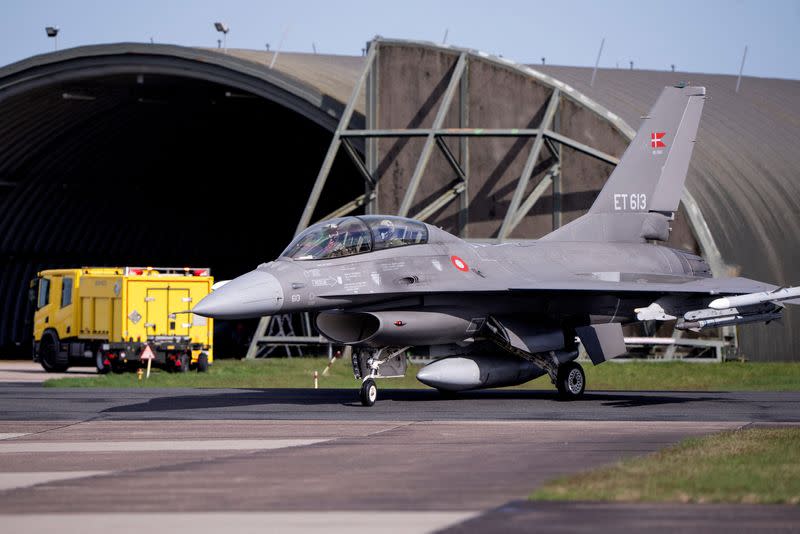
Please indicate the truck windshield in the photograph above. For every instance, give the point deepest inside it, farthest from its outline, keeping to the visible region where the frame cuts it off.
(355, 235)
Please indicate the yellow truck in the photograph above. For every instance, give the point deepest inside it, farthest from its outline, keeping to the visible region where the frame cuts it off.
(107, 316)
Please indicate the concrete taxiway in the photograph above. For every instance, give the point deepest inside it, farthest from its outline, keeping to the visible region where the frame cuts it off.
(309, 467)
(306, 459)
(19, 371)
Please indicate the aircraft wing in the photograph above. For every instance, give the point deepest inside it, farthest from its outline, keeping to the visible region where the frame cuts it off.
(707, 286)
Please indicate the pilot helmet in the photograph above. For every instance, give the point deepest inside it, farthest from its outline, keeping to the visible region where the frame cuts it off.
(385, 229)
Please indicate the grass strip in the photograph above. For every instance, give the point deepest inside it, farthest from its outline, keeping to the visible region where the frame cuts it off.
(267, 373)
(754, 465)
(299, 372)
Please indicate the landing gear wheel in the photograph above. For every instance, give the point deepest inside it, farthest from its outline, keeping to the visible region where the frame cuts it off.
(202, 362)
(571, 381)
(369, 392)
(102, 363)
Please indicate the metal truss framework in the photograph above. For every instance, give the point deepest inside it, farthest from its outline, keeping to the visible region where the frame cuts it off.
(435, 137)
(544, 136)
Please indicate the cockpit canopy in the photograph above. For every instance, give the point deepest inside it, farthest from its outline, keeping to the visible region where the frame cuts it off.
(347, 236)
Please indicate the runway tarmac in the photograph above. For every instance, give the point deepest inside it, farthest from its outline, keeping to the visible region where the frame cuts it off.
(33, 402)
(305, 460)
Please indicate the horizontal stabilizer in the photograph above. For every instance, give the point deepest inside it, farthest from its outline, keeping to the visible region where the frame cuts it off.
(602, 341)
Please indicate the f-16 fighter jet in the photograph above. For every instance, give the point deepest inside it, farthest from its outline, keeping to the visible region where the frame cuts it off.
(500, 315)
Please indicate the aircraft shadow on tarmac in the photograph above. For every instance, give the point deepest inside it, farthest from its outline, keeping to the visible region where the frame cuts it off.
(349, 398)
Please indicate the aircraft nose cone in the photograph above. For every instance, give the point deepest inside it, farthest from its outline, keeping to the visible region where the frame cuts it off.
(254, 294)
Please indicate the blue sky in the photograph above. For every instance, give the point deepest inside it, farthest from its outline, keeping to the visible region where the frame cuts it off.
(697, 36)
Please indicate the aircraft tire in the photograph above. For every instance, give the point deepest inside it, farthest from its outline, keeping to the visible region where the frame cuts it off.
(571, 381)
(369, 392)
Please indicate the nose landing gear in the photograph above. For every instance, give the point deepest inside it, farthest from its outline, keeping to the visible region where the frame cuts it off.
(369, 392)
(369, 364)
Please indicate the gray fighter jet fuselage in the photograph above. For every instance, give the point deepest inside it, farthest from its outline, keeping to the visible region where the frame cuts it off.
(503, 314)
(444, 270)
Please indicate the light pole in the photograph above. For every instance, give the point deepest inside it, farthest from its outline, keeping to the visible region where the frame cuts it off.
(52, 31)
(222, 28)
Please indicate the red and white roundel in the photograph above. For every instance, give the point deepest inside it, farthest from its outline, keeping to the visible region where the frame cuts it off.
(459, 264)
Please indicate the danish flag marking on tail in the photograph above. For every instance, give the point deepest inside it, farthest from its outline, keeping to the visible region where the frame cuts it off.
(655, 140)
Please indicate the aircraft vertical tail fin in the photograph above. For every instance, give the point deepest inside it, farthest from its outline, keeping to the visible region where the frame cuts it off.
(641, 195)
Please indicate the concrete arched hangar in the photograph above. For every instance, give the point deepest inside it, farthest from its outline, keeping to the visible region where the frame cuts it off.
(158, 154)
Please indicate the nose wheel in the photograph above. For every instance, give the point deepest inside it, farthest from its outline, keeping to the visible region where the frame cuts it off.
(369, 392)
(369, 364)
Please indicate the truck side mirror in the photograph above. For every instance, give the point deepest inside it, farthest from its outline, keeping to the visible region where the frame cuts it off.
(32, 289)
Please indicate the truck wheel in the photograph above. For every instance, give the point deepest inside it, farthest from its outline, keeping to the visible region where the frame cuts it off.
(50, 354)
(202, 362)
(118, 366)
(185, 362)
(102, 363)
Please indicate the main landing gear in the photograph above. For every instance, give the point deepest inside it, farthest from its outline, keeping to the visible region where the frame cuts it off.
(390, 362)
(570, 380)
(369, 364)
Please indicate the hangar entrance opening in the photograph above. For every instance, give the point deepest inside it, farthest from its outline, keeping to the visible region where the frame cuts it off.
(149, 169)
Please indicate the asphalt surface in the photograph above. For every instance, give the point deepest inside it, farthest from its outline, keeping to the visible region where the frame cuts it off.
(86, 460)
(31, 402)
(592, 517)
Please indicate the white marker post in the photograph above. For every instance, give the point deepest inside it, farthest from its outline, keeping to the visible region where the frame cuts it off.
(147, 354)
(316, 380)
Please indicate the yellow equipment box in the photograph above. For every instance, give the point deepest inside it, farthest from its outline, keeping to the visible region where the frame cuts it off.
(107, 316)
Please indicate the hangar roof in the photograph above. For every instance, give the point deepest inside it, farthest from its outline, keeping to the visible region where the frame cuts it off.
(743, 174)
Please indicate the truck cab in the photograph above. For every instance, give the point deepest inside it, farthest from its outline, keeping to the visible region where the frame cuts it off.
(54, 318)
(54, 302)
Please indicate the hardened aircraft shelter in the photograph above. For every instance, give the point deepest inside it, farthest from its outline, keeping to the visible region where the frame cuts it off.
(167, 155)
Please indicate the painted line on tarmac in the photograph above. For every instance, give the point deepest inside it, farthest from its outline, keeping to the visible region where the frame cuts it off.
(12, 435)
(22, 480)
(305, 522)
(157, 445)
